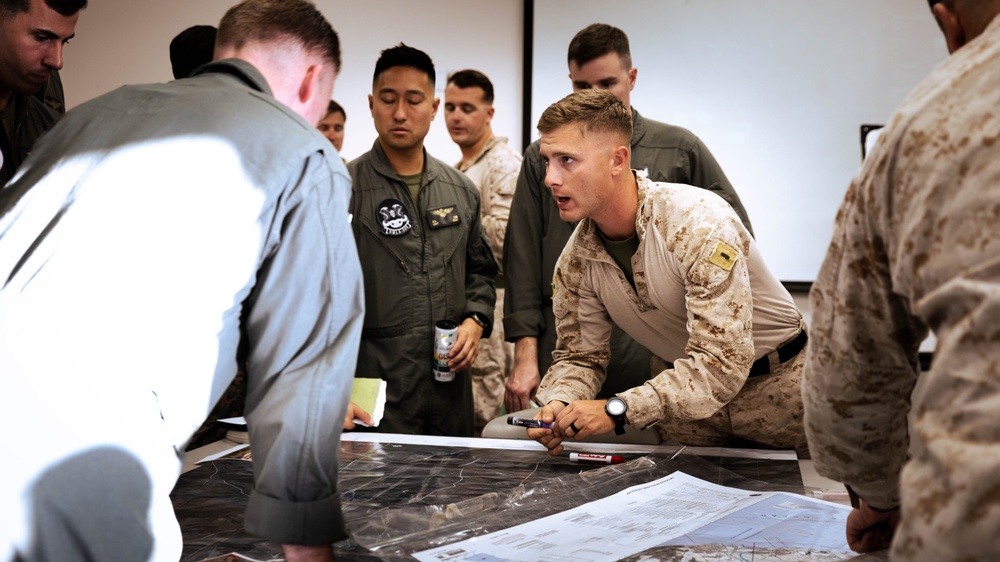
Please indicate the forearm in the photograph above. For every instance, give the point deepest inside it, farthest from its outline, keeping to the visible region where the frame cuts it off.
(526, 350)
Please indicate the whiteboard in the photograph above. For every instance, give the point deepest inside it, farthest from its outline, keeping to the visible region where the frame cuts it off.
(777, 89)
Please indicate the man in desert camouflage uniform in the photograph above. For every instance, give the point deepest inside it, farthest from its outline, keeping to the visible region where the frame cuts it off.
(493, 166)
(674, 267)
(917, 247)
(598, 57)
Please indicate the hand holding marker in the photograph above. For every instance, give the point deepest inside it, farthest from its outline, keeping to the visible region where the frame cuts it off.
(528, 422)
(589, 458)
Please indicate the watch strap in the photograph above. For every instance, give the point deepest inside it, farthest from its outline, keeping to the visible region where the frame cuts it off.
(479, 318)
(619, 419)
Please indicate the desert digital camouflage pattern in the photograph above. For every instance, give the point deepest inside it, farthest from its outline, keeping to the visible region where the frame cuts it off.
(704, 301)
(917, 246)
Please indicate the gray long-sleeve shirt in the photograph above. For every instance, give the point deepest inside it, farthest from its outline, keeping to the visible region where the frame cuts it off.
(160, 236)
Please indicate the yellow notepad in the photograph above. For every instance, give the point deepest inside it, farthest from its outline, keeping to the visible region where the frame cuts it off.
(370, 395)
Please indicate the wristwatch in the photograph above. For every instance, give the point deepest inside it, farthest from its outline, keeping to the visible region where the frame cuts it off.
(616, 408)
(478, 318)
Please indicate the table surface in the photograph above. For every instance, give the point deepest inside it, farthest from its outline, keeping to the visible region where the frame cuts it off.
(402, 494)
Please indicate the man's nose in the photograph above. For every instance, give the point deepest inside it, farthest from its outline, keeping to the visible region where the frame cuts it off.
(54, 55)
(552, 177)
(399, 111)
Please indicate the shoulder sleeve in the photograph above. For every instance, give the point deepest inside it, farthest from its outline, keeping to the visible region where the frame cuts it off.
(499, 184)
(580, 360)
(720, 349)
(860, 368)
(302, 322)
(480, 266)
(522, 252)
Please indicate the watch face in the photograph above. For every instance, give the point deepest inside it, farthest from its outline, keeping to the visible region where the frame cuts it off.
(616, 406)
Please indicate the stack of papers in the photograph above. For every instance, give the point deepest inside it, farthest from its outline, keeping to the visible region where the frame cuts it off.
(675, 510)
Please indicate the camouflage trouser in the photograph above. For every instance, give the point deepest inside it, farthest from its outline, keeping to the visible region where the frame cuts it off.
(489, 372)
(767, 412)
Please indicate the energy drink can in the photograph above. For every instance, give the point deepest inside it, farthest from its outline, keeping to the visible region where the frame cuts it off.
(444, 340)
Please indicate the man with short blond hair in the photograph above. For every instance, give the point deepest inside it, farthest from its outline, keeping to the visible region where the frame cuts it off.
(598, 58)
(32, 35)
(674, 267)
(493, 166)
(155, 241)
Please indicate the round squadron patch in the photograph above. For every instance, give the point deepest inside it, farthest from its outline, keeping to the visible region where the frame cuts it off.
(393, 218)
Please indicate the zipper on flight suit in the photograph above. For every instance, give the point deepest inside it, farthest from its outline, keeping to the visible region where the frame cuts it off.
(400, 261)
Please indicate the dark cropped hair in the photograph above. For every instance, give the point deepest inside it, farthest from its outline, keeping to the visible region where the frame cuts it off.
(334, 107)
(404, 55)
(270, 20)
(10, 8)
(191, 48)
(469, 78)
(597, 40)
(598, 111)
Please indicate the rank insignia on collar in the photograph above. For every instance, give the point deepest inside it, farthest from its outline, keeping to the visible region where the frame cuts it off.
(442, 217)
(723, 256)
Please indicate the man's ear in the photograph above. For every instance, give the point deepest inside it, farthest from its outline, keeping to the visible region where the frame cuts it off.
(620, 160)
(310, 83)
(434, 106)
(632, 73)
(951, 25)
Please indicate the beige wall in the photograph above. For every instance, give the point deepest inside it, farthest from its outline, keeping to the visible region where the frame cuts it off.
(125, 42)
(776, 88)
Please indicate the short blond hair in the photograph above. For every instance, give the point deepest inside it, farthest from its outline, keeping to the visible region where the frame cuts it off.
(597, 111)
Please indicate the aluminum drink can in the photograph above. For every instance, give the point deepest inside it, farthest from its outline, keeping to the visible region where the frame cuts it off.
(444, 340)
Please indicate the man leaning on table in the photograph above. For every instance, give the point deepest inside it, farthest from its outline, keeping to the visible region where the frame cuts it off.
(916, 247)
(677, 270)
(157, 239)
(598, 58)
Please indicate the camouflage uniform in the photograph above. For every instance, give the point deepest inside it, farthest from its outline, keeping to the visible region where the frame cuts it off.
(536, 237)
(916, 246)
(694, 271)
(494, 171)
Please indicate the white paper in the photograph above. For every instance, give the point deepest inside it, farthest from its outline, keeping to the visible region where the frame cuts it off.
(571, 446)
(221, 454)
(677, 508)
